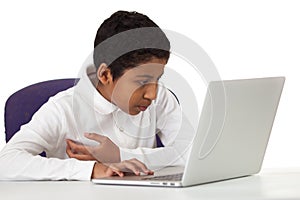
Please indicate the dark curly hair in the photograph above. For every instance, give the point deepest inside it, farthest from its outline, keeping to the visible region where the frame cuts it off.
(142, 46)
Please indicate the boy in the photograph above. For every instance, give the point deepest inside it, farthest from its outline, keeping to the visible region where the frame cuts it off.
(117, 103)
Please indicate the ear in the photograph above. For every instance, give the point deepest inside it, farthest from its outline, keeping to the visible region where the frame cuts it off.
(104, 75)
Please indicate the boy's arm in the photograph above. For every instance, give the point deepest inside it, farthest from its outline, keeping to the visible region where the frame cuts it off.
(19, 159)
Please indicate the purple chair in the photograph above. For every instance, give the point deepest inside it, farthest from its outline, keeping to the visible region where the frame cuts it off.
(21, 105)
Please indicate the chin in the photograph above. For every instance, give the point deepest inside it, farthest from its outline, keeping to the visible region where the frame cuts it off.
(134, 112)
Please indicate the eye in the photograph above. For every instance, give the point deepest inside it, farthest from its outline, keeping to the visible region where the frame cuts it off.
(143, 82)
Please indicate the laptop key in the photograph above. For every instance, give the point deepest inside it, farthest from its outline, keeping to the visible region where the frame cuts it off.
(171, 177)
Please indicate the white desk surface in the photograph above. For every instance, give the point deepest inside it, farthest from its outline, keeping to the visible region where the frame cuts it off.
(268, 184)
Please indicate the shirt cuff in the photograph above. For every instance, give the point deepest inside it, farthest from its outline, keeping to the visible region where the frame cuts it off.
(82, 170)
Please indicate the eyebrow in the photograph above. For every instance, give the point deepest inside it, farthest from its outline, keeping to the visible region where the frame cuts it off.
(145, 76)
(148, 76)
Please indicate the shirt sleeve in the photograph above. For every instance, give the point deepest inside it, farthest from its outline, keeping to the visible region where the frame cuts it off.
(174, 130)
(20, 159)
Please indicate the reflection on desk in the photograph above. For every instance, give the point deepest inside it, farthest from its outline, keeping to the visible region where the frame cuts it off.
(268, 184)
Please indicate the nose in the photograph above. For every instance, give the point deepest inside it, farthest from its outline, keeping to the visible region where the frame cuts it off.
(151, 91)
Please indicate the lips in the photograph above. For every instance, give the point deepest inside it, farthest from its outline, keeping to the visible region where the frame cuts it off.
(143, 108)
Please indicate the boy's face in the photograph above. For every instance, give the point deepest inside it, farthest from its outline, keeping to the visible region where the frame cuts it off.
(134, 91)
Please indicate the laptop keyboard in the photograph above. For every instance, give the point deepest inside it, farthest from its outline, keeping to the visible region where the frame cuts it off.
(171, 177)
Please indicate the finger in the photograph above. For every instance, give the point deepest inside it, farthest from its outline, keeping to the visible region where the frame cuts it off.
(118, 172)
(96, 137)
(113, 170)
(69, 151)
(71, 154)
(120, 167)
(79, 156)
(141, 165)
(131, 166)
(79, 148)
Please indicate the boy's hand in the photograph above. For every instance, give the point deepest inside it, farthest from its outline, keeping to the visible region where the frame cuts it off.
(132, 166)
(105, 152)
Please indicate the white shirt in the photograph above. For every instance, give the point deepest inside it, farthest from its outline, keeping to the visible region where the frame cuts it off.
(80, 109)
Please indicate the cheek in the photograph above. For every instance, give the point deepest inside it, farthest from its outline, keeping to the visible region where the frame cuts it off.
(125, 95)
(135, 97)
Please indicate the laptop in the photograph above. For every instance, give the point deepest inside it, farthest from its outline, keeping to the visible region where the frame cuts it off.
(231, 139)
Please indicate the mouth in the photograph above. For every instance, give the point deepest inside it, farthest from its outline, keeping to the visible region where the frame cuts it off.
(142, 108)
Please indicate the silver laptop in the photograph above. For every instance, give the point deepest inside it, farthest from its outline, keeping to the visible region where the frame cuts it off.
(231, 139)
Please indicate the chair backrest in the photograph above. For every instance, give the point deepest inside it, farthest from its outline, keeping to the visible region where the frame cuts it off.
(21, 105)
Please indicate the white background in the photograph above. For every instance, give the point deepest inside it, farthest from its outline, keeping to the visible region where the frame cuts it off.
(42, 40)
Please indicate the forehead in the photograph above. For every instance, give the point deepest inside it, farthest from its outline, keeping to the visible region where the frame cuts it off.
(151, 69)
